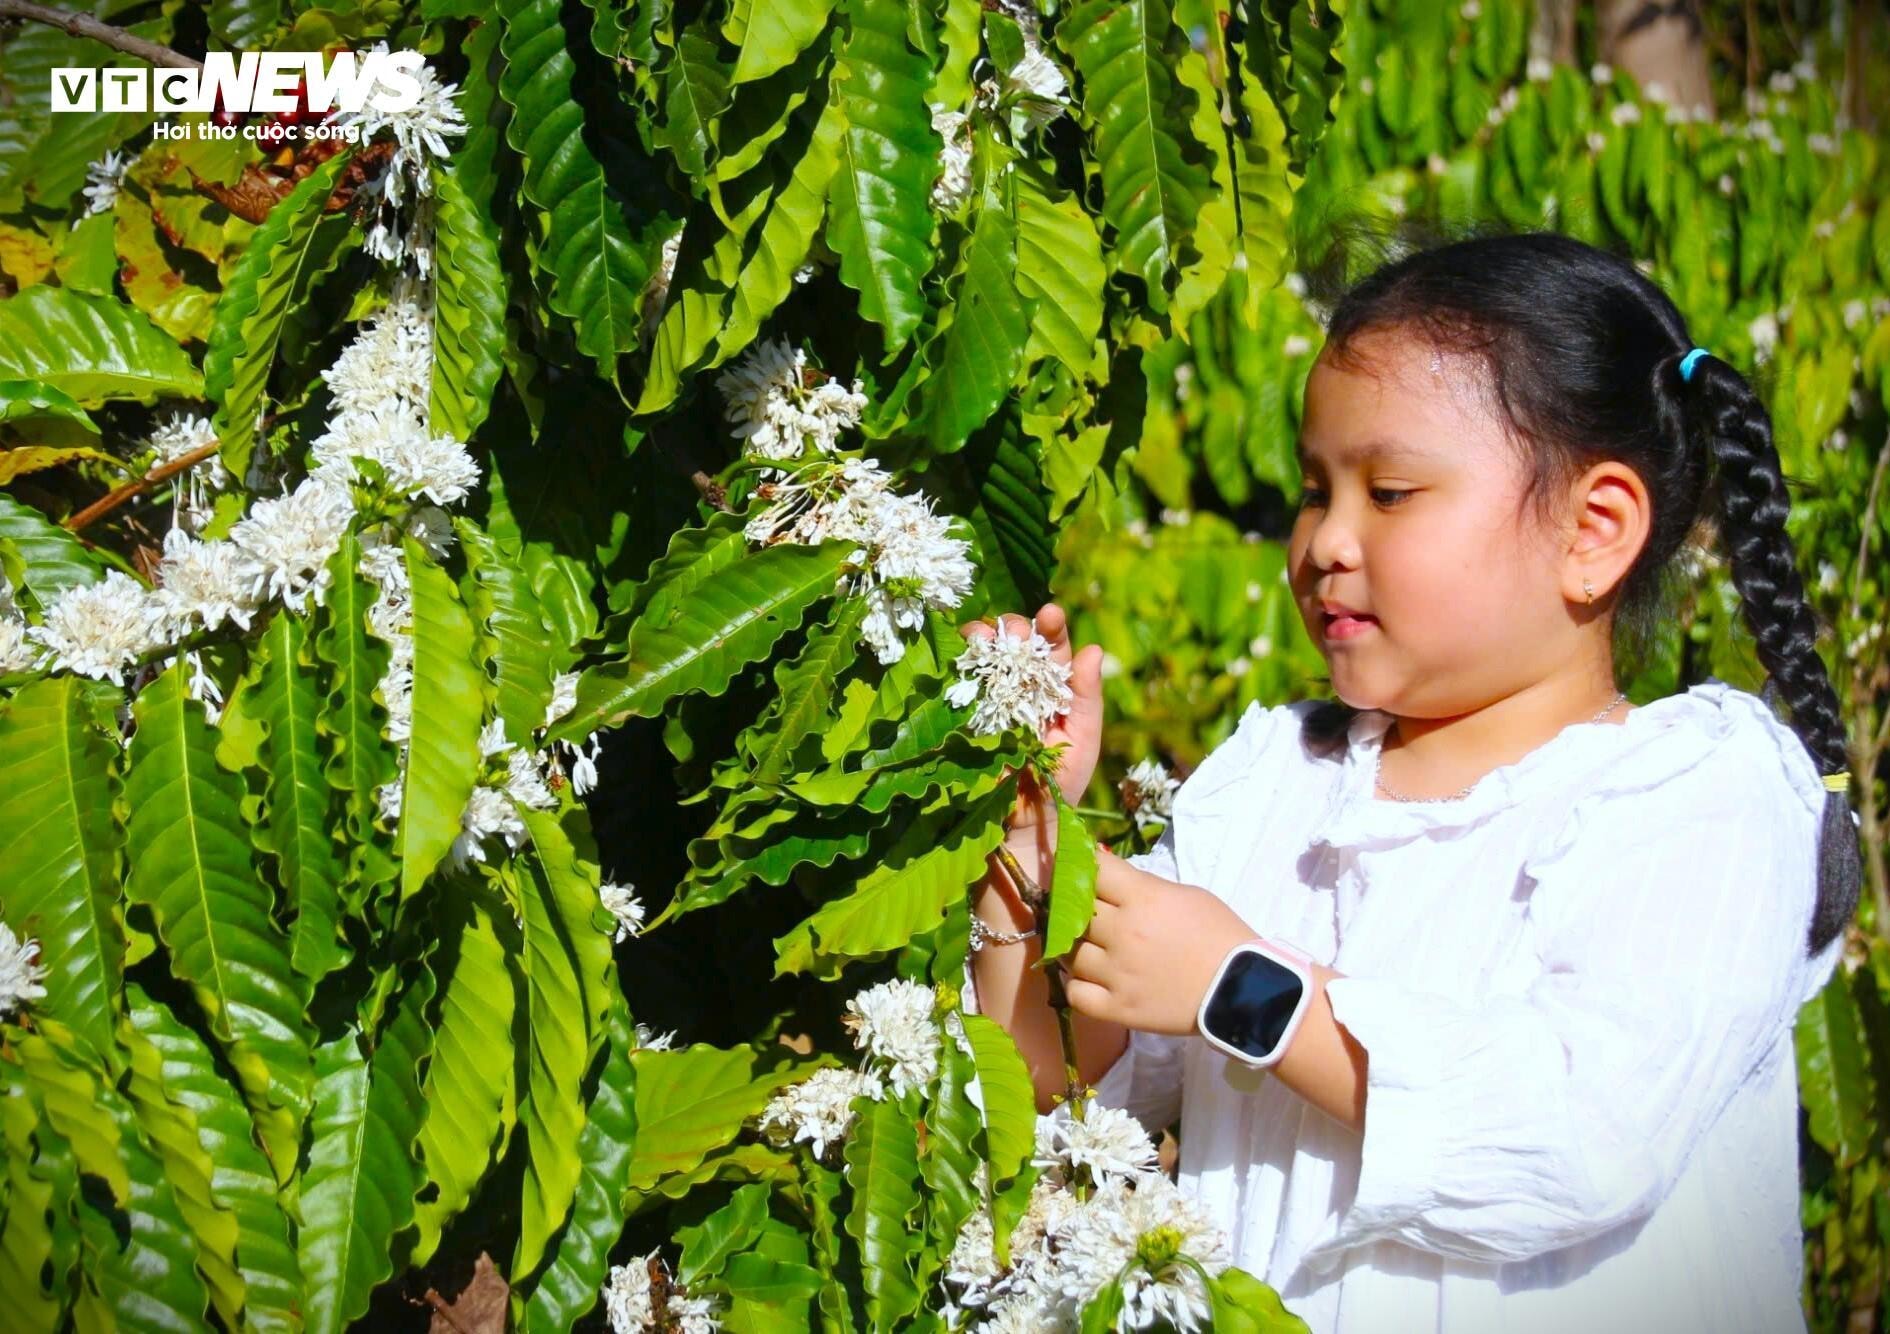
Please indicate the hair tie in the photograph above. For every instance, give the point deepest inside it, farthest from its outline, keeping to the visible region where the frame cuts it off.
(1838, 781)
(1686, 362)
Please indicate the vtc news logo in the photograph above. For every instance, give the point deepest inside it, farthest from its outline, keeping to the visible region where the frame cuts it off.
(249, 81)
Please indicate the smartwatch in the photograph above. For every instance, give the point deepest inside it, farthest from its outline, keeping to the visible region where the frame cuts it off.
(1256, 1001)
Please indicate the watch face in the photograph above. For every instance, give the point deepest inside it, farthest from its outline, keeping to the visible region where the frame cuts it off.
(1252, 1003)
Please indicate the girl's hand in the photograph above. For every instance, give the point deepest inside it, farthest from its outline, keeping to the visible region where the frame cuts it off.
(1032, 824)
(1151, 949)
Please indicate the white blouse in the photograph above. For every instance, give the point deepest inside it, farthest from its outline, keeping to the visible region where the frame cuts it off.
(1576, 988)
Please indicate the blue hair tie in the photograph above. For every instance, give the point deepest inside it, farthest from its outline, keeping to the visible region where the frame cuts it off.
(1686, 362)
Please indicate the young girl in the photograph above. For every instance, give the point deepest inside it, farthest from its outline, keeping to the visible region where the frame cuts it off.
(1546, 1078)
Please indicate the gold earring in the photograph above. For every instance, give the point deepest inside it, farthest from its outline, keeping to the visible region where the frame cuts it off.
(1588, 590)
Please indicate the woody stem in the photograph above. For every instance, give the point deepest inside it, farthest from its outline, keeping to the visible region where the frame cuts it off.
(84, 25)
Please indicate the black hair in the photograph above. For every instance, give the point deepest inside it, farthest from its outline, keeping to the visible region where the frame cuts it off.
(1580, 354)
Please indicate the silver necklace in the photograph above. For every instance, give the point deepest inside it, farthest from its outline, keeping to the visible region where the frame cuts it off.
(1378, 761)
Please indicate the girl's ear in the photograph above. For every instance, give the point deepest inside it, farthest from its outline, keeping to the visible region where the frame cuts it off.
(1612, 518)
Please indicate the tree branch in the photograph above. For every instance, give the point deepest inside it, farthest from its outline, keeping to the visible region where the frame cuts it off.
(111, 500)
(84, 25)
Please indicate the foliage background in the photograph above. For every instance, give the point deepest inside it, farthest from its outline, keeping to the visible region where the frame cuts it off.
(1146, 485)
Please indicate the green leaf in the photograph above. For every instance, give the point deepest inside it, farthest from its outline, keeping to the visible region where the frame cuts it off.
(139, 1265)
(880, 219)
(1073, 882)
(883, 1169)
(983, 344)
(59, 852)
(1059, 269)
(1102, 1312)
(358, 1188)
(29, 400)
(735, 1227)
(1242, 1304)
(298, 830)
(91, 348)
(567, 964)
(696, 93)
(1834, 1074)
(448, 706)
(69, 1090)
(470, 1093)
(170, 1128)
(771, 33)
(1010, 1102)
(692, 1102)
(580, 1260)
(521, 643)
(188, 848)
(1152, 174)
(729, 620)
(256, 300)
(241, 1178)
(468, 308)
(951, 1158)
(40, 555)
(360, 759)
(804, 704)
(597, 272)
(785, 237)
(38, 1180)
(902, 896)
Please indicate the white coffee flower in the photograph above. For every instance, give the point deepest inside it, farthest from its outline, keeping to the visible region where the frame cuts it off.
(1151, 794)
(1601, 72)
(1540, 69)
(17, 653)
(646, 1038)
(1105, 1145)
(892, 1022)
(1853, 312)
(622, 904)
(1152, 1225)
(1040, 86)
(204, 584)
(21, 972)
(525, 781)
(776, 412)
(563, 697)
(908, 561)
(292, 537)
(420, 132)
(490, 811)
(1016, 682)
(656, 290)
(953, 185)
(100, 630)
(102, 180)
(1764, 333)
(1625, 113)
(819, 1109)
(627, 1296)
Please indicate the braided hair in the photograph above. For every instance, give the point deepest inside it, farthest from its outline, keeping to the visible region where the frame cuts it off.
(1581, 353)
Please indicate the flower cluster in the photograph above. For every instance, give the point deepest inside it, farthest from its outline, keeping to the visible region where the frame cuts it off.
(1015, 680)
(420, 133)
(1148, 793)
(624, 907)
(102, 180)
(906, 560)
(1134, 1227)
(21, 972)
(632, 1294)
(892, 1023)
(778, 404)
(1034, 90)
(819, 1109)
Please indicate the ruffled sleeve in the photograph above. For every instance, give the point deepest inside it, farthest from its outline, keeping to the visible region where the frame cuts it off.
(1669, 915)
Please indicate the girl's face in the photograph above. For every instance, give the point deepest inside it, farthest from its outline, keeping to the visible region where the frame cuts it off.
(1409, 516)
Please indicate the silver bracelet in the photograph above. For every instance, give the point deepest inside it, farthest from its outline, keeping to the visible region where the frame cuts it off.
(981, 935)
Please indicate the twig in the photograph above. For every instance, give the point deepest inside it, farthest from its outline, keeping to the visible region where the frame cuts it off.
(1862, 688)
(111, 500)
(1039, 902)
(84, 25)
